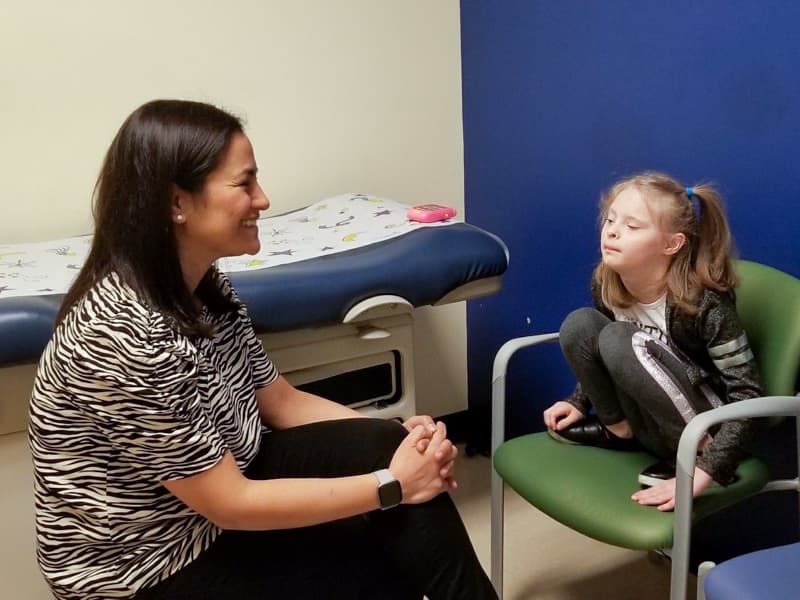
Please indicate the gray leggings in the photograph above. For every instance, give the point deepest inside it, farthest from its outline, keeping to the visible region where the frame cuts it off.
(628, 374)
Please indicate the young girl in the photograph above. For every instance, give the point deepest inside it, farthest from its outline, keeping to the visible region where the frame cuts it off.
(663, 342)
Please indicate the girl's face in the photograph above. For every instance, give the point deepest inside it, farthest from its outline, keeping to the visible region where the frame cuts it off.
(631, 242)
(221, 219)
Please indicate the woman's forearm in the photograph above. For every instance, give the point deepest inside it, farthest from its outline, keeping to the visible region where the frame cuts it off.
(227, 498)
(282, 406)
(303, 408)
(287, 503)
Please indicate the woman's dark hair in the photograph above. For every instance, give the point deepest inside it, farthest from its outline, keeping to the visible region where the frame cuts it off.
(162, 144)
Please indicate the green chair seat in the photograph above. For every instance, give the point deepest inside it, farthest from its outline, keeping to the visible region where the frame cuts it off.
(593, 495)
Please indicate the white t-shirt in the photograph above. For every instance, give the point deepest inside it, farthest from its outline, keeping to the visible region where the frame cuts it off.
(651, 318)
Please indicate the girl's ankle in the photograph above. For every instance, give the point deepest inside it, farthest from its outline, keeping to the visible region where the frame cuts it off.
(622, 430)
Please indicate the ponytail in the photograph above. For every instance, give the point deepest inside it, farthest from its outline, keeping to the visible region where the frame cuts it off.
(705, 259)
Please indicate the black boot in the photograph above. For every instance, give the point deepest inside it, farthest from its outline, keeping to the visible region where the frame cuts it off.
(591, 432)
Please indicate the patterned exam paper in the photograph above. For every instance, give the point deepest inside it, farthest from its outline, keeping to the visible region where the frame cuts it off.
(41, 268)
(334, 225)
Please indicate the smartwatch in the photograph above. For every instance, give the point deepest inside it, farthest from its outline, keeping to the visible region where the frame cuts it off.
(390, 494)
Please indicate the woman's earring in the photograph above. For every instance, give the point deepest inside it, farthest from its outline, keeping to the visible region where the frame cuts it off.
(179, 218)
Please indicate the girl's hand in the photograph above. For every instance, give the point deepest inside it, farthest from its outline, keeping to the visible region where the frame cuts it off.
(427, 473)
(562, 414)
(663, 494)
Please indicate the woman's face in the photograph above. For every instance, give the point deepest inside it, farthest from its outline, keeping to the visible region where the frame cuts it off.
(221, 219)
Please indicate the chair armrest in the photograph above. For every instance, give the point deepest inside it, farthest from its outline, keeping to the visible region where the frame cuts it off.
(765, 406)
(499, 370)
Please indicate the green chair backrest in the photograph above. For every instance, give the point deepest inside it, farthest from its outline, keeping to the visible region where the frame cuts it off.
(768, 303)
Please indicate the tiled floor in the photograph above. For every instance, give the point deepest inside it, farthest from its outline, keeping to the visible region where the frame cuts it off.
(544, 560)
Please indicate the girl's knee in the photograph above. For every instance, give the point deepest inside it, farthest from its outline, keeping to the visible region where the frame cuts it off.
(614, 340)
(617, 330)
(581, 324)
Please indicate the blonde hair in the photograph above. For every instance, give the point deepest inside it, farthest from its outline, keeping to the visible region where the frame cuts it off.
(704, 260)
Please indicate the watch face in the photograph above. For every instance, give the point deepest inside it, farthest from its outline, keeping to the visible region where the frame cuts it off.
(390, 494)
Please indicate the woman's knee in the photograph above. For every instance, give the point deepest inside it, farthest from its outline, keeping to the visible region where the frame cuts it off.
(383, 436)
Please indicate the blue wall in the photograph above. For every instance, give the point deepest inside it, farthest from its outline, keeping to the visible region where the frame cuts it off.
(562, 98)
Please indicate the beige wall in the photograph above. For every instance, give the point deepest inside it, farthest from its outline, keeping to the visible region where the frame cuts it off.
(344, 95)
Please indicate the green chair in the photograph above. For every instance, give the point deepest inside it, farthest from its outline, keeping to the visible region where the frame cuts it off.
(588, 489)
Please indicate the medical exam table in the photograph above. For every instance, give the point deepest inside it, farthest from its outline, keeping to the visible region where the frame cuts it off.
(331, 294)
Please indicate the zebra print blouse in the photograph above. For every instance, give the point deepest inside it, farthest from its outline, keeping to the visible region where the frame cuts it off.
(121, 401)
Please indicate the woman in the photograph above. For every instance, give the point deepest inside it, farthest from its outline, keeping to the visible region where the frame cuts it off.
(171, 458)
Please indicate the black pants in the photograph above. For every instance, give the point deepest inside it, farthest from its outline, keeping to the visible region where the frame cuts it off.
(400, 553)
(627, 374)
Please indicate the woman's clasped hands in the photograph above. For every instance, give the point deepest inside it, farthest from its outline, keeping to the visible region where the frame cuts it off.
(425, 460)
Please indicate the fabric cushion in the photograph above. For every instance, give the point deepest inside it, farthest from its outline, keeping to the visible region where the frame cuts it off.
(771, 574)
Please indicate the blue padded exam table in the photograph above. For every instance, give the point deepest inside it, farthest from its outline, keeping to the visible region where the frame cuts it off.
(324, 318)
(423, 267)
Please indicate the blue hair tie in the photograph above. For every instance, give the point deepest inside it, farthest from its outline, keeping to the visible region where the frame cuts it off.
(695, 202)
